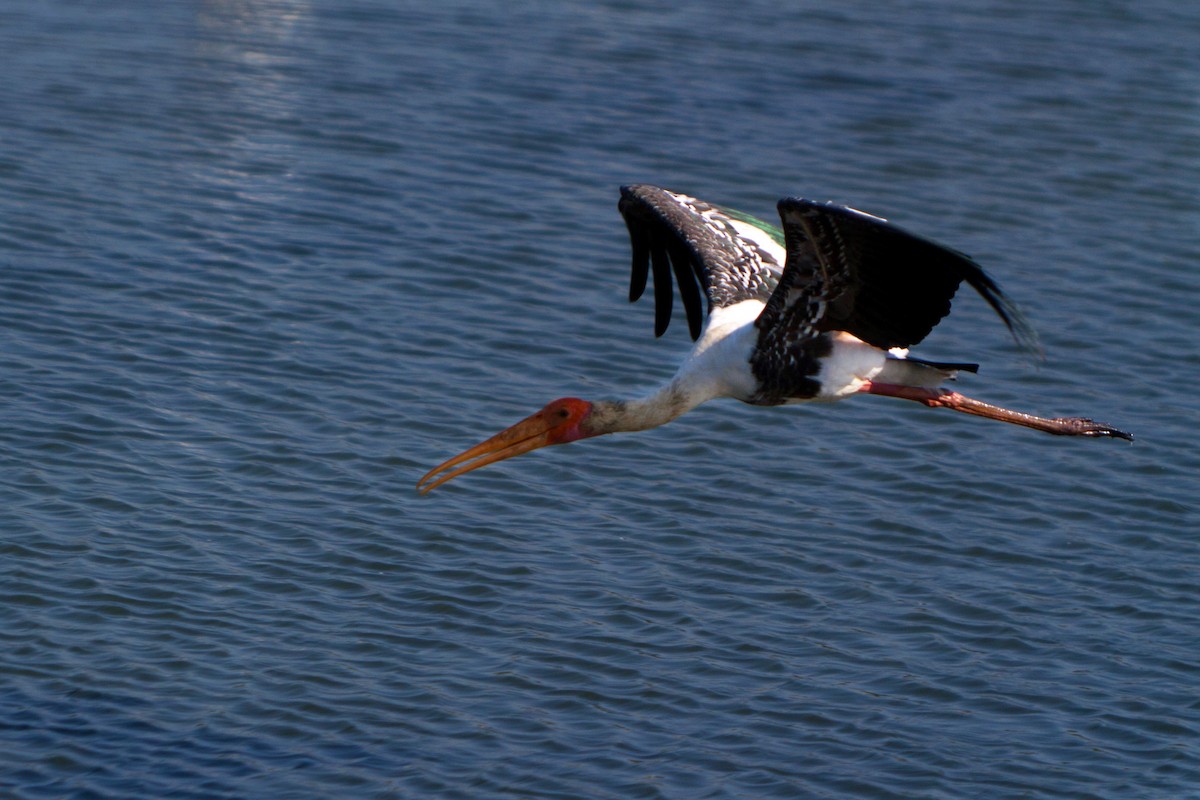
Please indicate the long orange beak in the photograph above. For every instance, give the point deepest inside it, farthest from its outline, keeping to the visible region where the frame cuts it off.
(544, 428)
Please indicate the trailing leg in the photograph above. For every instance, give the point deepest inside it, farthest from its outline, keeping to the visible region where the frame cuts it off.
(944, 398)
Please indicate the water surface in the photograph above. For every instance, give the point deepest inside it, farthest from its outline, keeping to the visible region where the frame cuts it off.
(262, 264)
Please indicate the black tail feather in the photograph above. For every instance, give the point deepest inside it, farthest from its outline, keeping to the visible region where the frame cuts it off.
(949, 366)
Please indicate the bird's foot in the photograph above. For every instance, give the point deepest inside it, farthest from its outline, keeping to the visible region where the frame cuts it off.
(1080, 426)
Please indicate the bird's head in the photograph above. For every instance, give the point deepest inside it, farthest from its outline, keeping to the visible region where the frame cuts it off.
(561, 421)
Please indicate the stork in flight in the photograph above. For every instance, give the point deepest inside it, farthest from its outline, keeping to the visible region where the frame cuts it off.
(819, 310)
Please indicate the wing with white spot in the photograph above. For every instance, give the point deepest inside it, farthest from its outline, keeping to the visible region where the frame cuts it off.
(729, 255)
(850, 271)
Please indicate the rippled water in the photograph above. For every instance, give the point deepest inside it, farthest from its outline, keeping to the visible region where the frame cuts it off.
(262, 264)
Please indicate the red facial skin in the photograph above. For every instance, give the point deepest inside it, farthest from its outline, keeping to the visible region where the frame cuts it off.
(561, 421)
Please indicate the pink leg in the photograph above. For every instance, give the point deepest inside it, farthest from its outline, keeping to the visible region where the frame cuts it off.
(944, 398)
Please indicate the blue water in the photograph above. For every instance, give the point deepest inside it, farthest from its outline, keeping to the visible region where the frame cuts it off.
(262, 264)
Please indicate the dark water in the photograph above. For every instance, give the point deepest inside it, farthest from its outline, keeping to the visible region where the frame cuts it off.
(264, 263)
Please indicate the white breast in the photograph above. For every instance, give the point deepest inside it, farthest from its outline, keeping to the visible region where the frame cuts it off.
(719, 363)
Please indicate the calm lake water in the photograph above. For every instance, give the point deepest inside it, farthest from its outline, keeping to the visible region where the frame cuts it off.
(262, 264)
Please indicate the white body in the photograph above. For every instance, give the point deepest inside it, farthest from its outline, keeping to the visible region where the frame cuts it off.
(719, 366)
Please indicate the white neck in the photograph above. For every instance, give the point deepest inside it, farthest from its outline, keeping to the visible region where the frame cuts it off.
(659, 408)
(717, 366)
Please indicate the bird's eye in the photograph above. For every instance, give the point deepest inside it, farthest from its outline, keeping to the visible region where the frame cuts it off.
(563, 413)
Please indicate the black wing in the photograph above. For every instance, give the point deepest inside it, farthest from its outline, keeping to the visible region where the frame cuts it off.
(850, 271)
(730, 255)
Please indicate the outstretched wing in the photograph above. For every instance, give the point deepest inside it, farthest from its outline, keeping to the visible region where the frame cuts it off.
(850, 271)
(729, 255)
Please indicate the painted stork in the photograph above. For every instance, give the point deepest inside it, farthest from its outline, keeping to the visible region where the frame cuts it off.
(818, 310)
